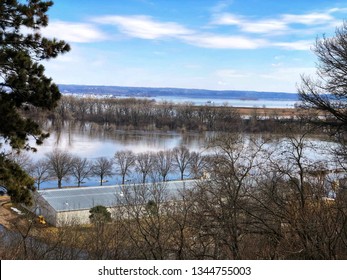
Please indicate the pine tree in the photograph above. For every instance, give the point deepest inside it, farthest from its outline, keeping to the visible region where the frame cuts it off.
(23, 84)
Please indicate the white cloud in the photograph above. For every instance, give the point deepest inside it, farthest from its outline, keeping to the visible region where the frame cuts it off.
(308, 19)
(74, 32)
(298, 25)
(277, 25)
(224, 41)
(264, 26)
(261, 26)
(227, 19)
(303, 45)
(144, 27)
(337, 10)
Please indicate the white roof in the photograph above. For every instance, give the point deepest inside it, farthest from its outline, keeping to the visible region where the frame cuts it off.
(84, 198)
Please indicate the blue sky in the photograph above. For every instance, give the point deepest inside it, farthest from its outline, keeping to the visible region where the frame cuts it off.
(261, 45)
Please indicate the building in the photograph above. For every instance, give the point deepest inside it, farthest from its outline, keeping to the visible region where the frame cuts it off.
(71, 205)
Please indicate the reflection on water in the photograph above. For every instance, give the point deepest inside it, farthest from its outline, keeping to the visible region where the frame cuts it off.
(93, 141)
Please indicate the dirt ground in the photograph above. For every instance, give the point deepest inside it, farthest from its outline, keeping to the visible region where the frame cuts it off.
(8, 217)
(14, 221)
(6, 214)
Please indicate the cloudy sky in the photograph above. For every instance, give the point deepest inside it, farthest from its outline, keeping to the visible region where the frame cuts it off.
(261, 45)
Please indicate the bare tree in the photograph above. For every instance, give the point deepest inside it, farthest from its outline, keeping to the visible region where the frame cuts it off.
(197, 165)
(309, 218)
(147, 224)
(124, 161)
(328, 91)
(23, 159)
(163, 163)
(40, 172)
(182, 158)
(60, 164)
(144, 164)
(221, 199)
(81, 169)
(292, 163)
(103, 168)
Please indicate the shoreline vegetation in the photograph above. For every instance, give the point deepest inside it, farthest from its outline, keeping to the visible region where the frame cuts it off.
(143, 114)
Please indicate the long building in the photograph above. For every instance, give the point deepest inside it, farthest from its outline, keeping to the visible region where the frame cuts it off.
(65, 206)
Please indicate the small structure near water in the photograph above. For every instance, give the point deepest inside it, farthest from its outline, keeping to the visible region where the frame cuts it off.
(65, 206)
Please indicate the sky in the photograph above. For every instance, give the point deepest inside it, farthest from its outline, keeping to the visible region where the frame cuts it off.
(256, 45)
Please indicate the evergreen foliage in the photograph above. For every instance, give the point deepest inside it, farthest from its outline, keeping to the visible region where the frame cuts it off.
(18, 182)
(99, 214)
(23, 84)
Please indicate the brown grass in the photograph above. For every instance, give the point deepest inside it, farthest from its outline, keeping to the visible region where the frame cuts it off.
(282, 112)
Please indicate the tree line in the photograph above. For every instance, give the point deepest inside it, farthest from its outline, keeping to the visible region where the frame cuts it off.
(179, 163)
(144, 114)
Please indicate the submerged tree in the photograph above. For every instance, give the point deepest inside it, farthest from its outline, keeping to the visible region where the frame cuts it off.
(144, 164)
(60, 164)
(163, 163)
(81, 169)
(23, 84)
(124, 161)
(182, 158)
(103, 168)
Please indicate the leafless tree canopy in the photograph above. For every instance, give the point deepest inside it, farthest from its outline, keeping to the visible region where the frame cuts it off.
(60, 164)
(328, 92)
(103, 168)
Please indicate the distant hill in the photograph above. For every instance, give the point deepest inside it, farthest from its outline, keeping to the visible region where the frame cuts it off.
(177, 92)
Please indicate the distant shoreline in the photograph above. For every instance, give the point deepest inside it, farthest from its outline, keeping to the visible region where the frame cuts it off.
(147, 92)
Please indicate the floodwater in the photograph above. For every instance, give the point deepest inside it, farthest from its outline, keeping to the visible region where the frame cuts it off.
(92, 141)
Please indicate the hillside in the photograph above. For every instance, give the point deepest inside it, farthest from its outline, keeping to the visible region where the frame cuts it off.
(177, 92)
